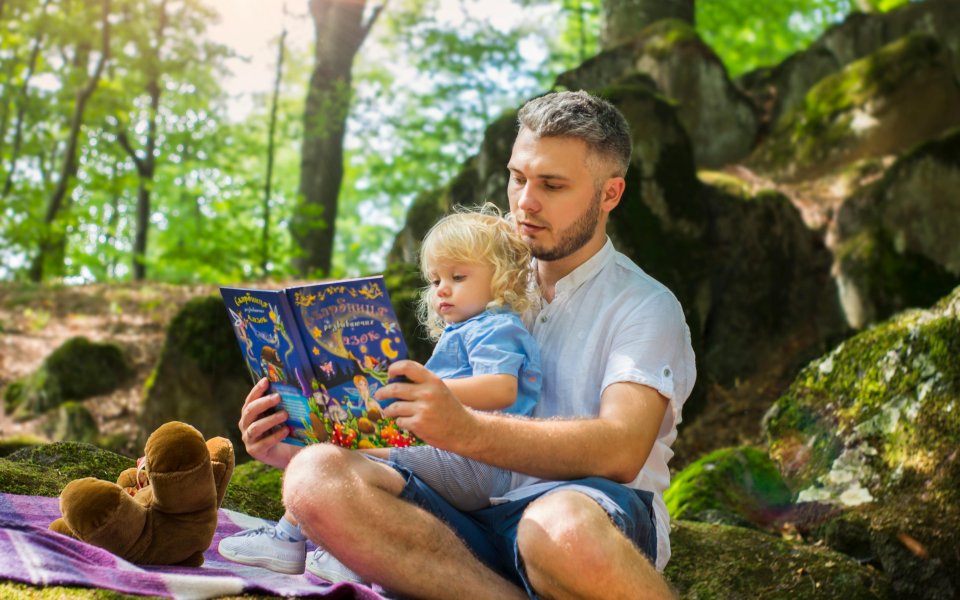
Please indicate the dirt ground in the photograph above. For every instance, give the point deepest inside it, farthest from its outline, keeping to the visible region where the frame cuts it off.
(35, 320)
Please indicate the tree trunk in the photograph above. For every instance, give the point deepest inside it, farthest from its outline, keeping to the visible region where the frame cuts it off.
(51, 240)
(265, 256)
(22, 97)
(146, 165)
(340, 31)
(622, 20)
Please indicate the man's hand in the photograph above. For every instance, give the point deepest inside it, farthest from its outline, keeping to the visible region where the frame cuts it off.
(425, 406)
(257, 425)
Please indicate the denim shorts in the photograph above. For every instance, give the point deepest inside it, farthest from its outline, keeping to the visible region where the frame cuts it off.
(491, 533)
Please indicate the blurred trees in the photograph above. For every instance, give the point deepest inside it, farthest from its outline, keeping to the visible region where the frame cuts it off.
(121, 156)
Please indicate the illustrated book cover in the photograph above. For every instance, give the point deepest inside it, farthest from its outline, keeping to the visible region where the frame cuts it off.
(325, 348)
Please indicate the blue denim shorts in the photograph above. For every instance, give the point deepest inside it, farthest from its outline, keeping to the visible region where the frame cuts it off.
(491, 533)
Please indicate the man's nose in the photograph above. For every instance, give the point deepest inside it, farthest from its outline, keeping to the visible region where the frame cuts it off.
(526, 200)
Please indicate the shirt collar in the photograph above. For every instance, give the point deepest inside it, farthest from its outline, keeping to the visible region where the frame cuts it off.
(586, 271)
(459, 324)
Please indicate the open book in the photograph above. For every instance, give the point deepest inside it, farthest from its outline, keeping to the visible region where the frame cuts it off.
(326, 349)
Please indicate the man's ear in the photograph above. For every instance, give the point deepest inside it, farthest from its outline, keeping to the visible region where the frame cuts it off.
(611, 192)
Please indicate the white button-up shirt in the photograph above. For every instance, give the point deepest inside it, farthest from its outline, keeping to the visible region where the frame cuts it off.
(610, 322)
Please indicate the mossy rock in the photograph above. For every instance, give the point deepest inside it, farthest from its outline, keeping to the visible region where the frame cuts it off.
(873, 426)
(201, 378)
(72, 422)
(741, 482)
(76, 370)
(45, 469)
(898, 96)
(719, 562)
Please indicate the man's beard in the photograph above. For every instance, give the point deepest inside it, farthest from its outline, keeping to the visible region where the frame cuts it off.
(573, 237)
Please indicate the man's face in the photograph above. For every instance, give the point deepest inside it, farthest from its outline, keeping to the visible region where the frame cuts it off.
(554, 197)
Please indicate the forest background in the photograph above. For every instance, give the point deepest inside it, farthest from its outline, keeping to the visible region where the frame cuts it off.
(126, 152)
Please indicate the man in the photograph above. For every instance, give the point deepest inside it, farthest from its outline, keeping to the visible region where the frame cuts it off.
(585, 517)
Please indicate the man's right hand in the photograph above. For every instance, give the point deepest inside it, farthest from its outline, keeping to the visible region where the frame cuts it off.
(257, 424)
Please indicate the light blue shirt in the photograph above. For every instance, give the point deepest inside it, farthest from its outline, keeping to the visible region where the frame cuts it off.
(495, 342)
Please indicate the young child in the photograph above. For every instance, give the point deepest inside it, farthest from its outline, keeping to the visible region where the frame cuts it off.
(480, 279)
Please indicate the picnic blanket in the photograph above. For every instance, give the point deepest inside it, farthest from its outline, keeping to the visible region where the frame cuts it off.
(29, 553)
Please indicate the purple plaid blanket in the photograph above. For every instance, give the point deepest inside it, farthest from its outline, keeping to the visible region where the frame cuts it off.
(29, 553)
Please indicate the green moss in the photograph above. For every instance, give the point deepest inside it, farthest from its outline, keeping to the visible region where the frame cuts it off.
(76, 370)
(822, 123)
(742, 481)
(892, 389)
(663, 36)
(21, 591)
(721, 562)
(255, 489)
(73, 460)
(197, 333)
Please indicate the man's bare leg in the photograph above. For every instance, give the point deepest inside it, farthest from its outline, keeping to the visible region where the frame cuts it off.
(571, 549)
(350, 505)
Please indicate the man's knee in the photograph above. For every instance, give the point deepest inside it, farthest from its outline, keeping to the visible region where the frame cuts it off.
(315, 476)
(564, 529)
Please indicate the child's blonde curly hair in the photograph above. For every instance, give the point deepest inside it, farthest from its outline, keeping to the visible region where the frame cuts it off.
(485, 237)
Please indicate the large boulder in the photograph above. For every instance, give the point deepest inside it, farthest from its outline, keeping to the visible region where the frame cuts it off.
(780, 89)
(873, 428)
(895, 240)
(898, 96)
(721, 121)
(201, 378)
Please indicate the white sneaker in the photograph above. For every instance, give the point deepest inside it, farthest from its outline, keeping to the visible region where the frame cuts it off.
(261, 547)
(322, 564)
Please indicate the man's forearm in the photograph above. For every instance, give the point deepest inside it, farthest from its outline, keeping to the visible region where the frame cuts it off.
(614, 445)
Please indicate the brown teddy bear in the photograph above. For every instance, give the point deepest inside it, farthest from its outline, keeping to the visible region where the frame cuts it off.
(165, 513)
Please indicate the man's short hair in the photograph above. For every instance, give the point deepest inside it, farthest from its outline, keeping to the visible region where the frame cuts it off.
(579, 115)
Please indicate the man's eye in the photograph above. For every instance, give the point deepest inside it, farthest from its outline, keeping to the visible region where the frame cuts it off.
(517, 180)
(551, 186)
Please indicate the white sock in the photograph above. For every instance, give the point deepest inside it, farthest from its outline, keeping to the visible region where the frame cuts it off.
(289, 532)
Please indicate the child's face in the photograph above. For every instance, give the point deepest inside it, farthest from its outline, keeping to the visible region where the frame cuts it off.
(460, 290)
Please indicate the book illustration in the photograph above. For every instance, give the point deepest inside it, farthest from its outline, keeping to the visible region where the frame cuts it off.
(325, 348)
(351, 336)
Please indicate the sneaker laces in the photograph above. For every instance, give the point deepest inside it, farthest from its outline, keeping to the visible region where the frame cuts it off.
(272, 532)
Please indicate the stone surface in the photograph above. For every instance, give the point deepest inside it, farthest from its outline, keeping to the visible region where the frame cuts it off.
(720, 120)
(895, 240)
(874, 427)
(898, 96)
(201, 377)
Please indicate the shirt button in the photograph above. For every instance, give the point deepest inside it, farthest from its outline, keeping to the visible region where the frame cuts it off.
(543, 319)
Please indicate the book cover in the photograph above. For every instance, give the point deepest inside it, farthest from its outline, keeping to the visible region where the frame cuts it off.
(326, 349)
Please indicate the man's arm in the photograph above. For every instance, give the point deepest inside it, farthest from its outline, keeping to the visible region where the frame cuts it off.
(615, 444)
